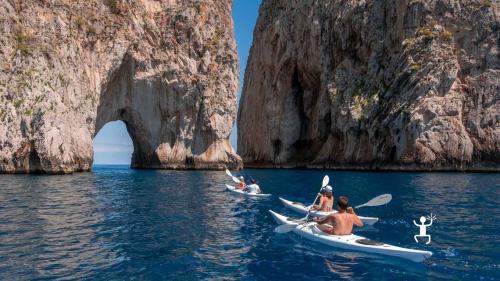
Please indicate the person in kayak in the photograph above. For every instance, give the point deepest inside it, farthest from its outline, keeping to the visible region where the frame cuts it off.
(325, 200)
(241, 185)
(253, 187)
(341, 222)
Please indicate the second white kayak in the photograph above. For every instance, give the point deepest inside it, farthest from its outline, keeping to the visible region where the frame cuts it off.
(352, 242)
(303, 209)
(234, 189)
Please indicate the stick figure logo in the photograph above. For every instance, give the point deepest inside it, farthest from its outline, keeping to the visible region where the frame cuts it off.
(423, 227)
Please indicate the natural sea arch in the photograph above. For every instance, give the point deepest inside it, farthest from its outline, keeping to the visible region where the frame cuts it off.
(135, 103)
(113, 145)
(172, 124)
(160, 73)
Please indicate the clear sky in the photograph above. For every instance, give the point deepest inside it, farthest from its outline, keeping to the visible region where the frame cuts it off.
(245, 14)
(112, 144)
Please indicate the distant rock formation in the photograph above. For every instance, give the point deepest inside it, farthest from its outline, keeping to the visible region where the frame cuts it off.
(398, 85)
(168, 69)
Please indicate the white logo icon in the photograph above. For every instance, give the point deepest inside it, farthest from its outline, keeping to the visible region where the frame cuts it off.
(423, 227)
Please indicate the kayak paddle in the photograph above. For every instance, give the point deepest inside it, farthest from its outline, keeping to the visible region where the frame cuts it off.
(235, 179)
(284, 228)
(326, 179)
(377, 201)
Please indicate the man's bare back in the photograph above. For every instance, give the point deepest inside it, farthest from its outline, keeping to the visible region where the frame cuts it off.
(341, 222)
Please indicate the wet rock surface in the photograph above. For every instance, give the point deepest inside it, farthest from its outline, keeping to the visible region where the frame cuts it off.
(398, 85)
(168, 69)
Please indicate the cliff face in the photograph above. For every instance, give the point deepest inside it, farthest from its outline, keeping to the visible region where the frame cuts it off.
(373, 85)
(168, 69)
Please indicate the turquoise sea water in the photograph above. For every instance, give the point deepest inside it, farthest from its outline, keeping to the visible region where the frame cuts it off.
(120, 224)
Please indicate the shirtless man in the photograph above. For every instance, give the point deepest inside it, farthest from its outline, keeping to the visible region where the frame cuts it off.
(342, 221)
(325, 200)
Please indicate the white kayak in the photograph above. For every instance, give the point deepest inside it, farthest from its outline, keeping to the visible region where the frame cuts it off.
(353, 242)
(234, 189)
(301, 208)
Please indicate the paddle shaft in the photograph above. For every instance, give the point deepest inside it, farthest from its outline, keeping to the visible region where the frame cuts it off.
(314, 202)
(309, 210)
(324, 183)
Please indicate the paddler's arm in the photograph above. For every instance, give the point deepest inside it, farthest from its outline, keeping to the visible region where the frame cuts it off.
(329, 218)
(355, 219)
(321, 199)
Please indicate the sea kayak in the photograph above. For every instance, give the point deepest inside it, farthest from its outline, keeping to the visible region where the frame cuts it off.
(301, 208)
(352, 242)
(234, 189)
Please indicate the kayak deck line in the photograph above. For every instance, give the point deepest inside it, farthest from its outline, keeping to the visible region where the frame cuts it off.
(369, 242)
(303, 209)
(350, 242)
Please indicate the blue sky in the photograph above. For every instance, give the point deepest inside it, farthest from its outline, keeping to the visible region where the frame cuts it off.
(112, 145)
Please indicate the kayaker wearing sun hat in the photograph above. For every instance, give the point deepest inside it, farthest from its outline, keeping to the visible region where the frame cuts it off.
(325, 200)
(241, 184)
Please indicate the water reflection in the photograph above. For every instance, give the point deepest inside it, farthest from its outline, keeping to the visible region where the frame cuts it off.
(118, 223)
(466, 210)
(341, 270)
(49, 226)
(223, 218)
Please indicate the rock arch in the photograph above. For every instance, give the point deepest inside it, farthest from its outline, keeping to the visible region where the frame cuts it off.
(168, 70)
(171, 126)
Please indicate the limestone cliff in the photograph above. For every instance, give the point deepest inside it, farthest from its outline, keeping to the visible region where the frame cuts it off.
(168, 69)
(406, 84)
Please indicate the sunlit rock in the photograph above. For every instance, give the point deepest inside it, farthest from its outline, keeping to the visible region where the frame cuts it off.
(168, 69)
(373, 85)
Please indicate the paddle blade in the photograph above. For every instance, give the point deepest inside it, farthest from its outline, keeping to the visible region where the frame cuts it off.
(326, 180)
(285, 228)
(235, 179)
(380, 200)
(377, 201)
(228, 173)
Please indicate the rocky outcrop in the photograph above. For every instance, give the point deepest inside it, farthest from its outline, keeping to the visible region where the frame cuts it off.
(410, 85)
(168, 69)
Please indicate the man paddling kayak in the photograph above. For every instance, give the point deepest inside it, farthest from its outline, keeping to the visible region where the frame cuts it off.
(253, 187)
(325, 200)
(342, 222)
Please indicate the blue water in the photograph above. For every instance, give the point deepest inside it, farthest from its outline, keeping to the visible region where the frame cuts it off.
(120, 224)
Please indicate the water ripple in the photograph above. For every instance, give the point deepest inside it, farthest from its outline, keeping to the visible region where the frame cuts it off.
(117, 223)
